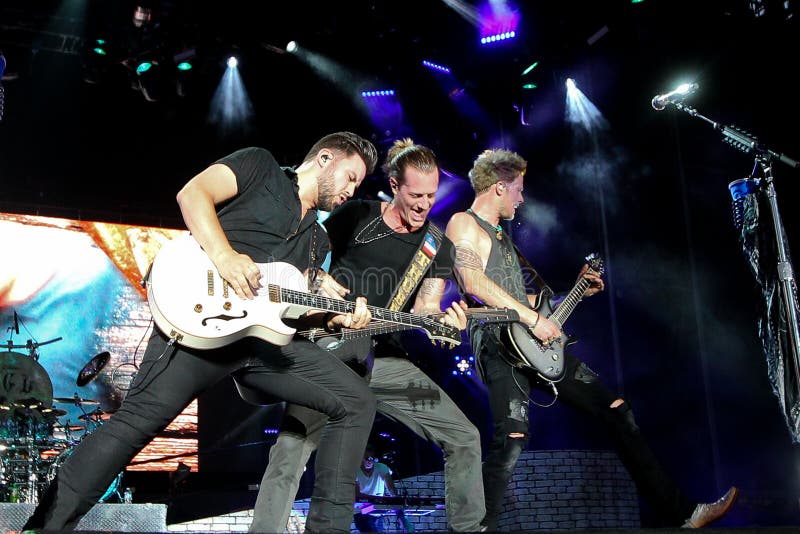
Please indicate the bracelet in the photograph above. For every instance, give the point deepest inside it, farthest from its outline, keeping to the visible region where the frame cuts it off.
(538, 316)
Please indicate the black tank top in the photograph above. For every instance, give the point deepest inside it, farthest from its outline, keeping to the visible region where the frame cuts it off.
(503, 266)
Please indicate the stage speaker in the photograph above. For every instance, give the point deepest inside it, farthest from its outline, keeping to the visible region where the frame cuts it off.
(105, 517)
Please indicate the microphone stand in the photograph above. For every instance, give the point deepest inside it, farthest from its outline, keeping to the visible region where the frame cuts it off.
(764, 156)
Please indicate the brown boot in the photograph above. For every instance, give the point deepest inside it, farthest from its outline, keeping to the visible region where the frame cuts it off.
(705, 513)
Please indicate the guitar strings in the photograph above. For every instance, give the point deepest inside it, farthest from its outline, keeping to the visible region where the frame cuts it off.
(346, 306)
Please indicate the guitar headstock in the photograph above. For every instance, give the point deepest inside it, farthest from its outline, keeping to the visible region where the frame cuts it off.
(595, 261)
(444, 333)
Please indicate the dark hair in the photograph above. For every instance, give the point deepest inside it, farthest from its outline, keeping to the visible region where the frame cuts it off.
(347, 143)
(403, 154)
(495, 165)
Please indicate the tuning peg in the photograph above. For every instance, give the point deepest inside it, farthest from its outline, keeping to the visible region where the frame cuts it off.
(451, 345)
(433, 342)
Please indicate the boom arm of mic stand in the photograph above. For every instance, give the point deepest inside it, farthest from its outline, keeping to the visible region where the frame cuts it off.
(741, 140)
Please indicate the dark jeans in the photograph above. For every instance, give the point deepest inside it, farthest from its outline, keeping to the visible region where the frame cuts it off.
(170, 377)
(581, 389)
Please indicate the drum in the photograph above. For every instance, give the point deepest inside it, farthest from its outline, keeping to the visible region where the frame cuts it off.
(25, 390)
(23, 382)
(24, 472)
(34, 427)
(25, 427)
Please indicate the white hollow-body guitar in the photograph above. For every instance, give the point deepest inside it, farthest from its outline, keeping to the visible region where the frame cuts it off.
(194, 305)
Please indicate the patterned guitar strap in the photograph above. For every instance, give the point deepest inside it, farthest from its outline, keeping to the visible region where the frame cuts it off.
(418, 267)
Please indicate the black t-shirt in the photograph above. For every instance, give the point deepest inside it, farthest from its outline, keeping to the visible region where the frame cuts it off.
(263, 219)
(373, 268)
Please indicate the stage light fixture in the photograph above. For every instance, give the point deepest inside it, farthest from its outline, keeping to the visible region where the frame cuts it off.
(464, 365)
(529, 86)
(183, 78)
(435, 66)
(291, 47)
(183, 60)
(96, 61)
(233, 62)
(530, 67)
(491, 39)
(143, 66)
(149, 80)
(100, 47)
(570, 83)
(377, 94)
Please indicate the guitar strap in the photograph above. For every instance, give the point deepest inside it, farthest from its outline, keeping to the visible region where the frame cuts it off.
(313, 272)
(529, 270)
(422, 259)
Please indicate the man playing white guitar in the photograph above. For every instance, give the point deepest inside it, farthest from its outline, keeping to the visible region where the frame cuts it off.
(489, 271)
(243, 209)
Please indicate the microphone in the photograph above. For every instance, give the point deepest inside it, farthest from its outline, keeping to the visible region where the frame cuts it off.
(659, 102)
(16, 323)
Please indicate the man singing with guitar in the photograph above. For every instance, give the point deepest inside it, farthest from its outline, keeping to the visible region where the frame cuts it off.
(531, 354)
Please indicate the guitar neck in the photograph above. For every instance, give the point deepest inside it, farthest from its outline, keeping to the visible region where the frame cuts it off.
(567, 306)
(499, 315)
(318, 302)
(346, 334)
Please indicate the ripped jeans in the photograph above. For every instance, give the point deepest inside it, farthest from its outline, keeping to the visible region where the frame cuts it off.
(581, 389)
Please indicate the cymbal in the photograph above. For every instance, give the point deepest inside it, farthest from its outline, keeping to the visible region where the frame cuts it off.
(55, 412)
(29, 403)
(96, 415)
(75, 400)
(92, 368)
(71, 428)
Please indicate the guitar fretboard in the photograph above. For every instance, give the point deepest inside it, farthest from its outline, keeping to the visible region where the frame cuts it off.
(345, 306)
(569, 303)
(346, 334)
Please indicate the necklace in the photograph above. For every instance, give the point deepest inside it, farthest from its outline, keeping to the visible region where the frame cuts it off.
(497, 227)
(364, 236)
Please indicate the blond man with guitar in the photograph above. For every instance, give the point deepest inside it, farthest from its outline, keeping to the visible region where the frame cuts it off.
(532, 353)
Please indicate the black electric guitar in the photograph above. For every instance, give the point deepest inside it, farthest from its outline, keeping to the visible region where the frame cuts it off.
(525, 351)
(196, 307)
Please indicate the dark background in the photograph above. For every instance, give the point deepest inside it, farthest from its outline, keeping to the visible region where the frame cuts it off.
(675, 332)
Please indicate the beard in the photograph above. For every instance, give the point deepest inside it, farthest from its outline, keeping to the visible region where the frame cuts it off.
(326, 192)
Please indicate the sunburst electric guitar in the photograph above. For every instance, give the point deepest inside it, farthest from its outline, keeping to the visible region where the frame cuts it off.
(196, 307)
(528, 352)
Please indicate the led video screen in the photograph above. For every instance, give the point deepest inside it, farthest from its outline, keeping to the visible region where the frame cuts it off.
(75, 324)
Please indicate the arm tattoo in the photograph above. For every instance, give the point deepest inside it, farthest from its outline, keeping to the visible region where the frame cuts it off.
(431, 286)
(466, 258)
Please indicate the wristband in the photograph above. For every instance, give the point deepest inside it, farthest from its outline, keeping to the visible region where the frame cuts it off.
(538, 316)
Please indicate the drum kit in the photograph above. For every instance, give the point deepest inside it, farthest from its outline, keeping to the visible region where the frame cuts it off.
(33, 441)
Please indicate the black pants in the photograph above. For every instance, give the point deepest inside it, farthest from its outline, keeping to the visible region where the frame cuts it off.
(170, 377)
(581, 389)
